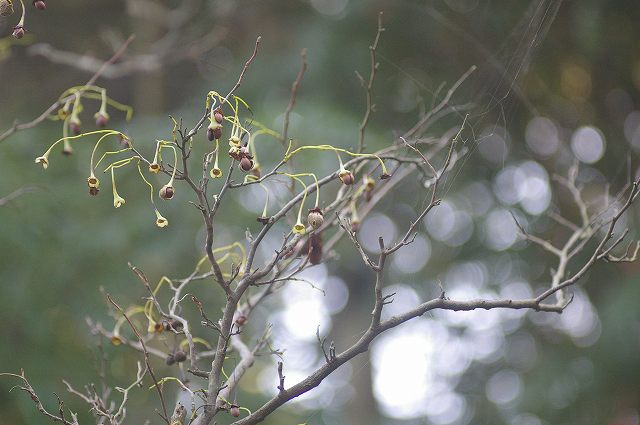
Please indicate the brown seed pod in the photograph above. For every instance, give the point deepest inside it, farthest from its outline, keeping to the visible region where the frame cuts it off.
(234, 411)
(218, 117)
(241, 319)
(263, 219)
(180, 356)
(315, 248)
(101, 120)
(346, 177)
(75, 127)
(18, 31)
(166, 192)
(214, 131)
(39, 4)
(246, 164)
(170, 359)
(93, 191)
(315, 217)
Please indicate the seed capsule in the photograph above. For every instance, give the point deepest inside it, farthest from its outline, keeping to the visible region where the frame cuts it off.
(18, 31)
(101, 120)
(39, 4)
(315, 217)
(241, 319)
(180, 356)
(167, 192)
(75, 127)
(234, 411)
(346, 177)
(246, 164)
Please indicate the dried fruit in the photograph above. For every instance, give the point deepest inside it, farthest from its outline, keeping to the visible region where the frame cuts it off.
(167, 192)
(18, 31)
(180, 356)
(346, 177)
(315, 217)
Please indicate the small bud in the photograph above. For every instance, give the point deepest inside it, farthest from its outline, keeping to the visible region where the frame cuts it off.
(154, 168)
(346, 177)
(385, 176)
(355, 224)
(18, 31)
(315, 217)
(170, 359)
(158, 327)
(6, 7)
(214, 131)
(75, 126)
(102, 119)
(39, 4)
(234, 411)
(167, 192)
(218, 117)
(246, 164)
(116, 340)
(93, 191)
(241, 319)
(263, 219)
(180, 356)
(124, 140)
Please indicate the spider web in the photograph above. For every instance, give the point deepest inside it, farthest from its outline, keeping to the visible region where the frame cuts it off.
(497, 81)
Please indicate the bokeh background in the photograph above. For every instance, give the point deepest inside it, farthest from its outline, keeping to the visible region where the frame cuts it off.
(546, 91)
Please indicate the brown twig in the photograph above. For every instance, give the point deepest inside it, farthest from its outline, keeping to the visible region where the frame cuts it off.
(17, 127)
(369, 85)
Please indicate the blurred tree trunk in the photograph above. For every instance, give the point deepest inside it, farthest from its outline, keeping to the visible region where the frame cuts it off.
(348, 325)
(148, 89)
